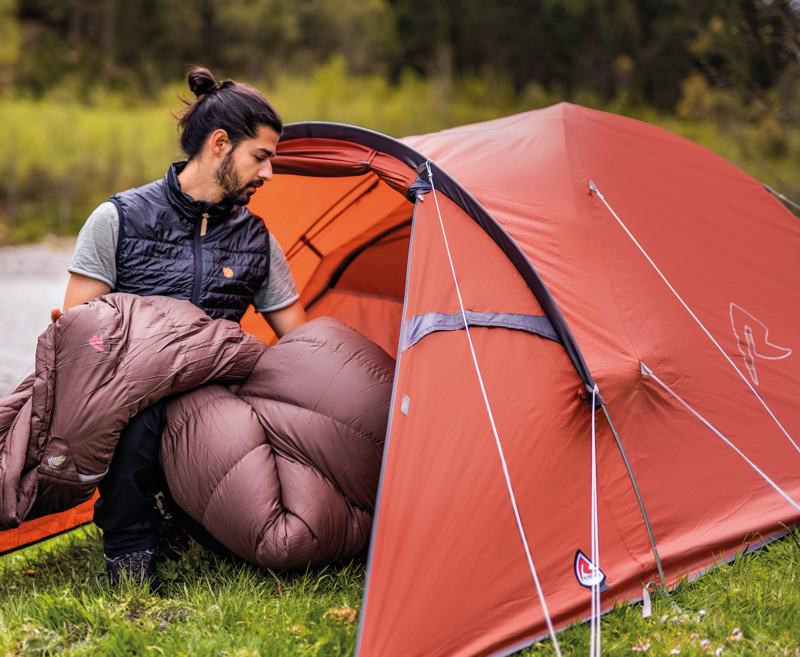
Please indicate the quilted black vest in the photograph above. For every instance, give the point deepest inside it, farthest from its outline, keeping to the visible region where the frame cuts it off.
(216, 256)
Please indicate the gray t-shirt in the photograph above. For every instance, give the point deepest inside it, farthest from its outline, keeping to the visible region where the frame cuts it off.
(96, 257)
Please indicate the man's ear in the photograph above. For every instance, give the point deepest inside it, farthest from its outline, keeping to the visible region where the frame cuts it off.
(219, 142)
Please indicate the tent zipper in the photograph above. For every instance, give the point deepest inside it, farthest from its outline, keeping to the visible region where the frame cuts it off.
(200, 231)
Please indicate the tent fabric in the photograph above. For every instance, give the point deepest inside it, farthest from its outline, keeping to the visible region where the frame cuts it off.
(461, 508)
(696, 216)
(39, 529)
(720, 239)
(695, 277)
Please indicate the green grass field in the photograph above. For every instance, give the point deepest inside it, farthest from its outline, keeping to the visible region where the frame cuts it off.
(55, 602)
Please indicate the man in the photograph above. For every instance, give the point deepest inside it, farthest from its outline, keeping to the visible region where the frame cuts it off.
(186, 236)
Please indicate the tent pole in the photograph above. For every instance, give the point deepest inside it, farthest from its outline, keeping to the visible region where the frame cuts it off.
(782, 197)
(640, 499)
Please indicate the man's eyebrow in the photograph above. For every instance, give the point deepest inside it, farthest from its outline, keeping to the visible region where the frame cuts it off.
(265, 151)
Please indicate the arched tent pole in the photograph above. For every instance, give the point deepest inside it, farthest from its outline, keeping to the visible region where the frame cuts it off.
(329, 216)
(795, 206)
(455, 192)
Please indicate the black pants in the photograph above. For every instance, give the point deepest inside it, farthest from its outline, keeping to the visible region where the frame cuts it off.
(126, 510)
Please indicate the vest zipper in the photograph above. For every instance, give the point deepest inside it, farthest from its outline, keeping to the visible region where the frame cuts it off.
(199, 233)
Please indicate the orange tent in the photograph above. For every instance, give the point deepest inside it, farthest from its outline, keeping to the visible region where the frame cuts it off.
(572, 297)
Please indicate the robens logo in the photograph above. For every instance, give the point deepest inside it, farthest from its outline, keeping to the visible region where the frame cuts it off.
(587, 573)
(100, 341)
(753, 340)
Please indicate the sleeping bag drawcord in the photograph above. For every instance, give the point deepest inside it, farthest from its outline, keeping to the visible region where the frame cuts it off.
(594, 190)
(511, 495)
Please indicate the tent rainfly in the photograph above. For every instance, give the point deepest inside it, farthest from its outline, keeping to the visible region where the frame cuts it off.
(595, 324)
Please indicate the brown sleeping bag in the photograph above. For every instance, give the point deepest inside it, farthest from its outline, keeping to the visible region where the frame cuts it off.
(97, 367)
(283, 468)
(275, 450)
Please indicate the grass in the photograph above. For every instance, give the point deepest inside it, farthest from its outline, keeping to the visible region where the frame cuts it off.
(55, 602)
(748, 608)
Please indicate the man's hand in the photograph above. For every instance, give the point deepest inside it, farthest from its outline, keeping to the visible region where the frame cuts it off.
(55, 313)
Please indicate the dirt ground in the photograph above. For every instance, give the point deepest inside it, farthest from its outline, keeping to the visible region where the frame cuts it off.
(32, 281)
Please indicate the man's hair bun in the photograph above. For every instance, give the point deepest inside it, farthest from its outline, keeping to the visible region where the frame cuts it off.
(237, 108)
(201, 81)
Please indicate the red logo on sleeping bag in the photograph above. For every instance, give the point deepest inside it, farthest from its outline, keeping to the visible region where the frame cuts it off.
(587, 574)
(101, 341)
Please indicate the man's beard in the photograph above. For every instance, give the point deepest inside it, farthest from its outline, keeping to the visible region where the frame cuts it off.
(230, 183)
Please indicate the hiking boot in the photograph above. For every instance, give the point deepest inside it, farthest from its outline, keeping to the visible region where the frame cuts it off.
(173, 539)
(139, 567)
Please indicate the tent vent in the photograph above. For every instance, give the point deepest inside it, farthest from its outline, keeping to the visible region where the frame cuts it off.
(421, 325)
(404, 404)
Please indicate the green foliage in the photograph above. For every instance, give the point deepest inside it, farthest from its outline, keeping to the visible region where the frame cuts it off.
(9, 41)
(639, 47)
(86, 86)
(62, 158)
(570, 45)
(140, 46)
(56, 601)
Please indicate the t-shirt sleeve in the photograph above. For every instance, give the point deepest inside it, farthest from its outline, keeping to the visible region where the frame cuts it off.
(279, 290)
(96, 248)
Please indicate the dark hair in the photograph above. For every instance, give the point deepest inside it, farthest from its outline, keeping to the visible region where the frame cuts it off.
(237, 108)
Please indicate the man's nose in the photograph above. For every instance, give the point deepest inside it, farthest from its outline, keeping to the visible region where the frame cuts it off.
(265, 172)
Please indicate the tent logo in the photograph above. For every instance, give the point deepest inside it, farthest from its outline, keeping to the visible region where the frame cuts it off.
(751, 339)
(587, 574)
(101, 341)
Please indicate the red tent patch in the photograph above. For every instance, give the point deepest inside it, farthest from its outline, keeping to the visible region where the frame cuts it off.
(587, 574)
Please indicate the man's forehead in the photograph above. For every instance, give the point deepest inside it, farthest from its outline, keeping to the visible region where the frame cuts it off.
(266, 139)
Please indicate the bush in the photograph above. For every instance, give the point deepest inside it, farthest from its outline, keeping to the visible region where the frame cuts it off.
(63, 158)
